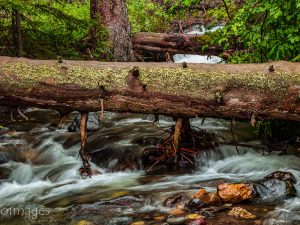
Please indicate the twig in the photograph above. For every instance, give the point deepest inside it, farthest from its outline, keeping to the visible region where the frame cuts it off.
(233, 137)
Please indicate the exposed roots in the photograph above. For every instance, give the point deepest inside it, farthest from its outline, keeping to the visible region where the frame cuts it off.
(179, 149)
(85, 170)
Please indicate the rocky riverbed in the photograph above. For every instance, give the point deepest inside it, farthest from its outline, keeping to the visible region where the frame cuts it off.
(39, 173)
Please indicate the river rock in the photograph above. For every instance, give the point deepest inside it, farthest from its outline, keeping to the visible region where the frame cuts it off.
(239, 212)
(172, 201)
(233, 193)
(92, 123)
(159, 218)
(276, 186)
(124, 201)
(197, 222)
(177, 212)
(138, 223)
(209, 198)
(176, 220)
(194, 216)
(84, 222)
(200, 193)
(280, 175)
(195, 204)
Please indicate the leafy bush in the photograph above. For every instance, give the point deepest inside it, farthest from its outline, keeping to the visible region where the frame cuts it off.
(49, 28)
(263, 30)
(146, 16)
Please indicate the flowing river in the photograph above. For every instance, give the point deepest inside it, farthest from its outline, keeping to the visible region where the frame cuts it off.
(39, 172)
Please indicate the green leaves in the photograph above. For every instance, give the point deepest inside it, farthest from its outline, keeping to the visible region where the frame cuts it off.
(267, 30)
(146, 16)
(49, 28)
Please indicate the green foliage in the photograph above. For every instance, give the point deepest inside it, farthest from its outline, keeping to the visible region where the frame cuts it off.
(263, 129)
(263, 30)
(49, 28)
(147, 16)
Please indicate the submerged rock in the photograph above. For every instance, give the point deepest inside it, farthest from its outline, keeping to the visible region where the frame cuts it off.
(172, 201)
(92, 123)
(126, 201)
(138, 223)
(159, 218)
(84, 222)
(177, 212)
(195, 204)
(176, 220)
(239, 212)
(233, 193)
(194, 216)
(280, 175)
(276, 186)
(197, 222)
(209, 198)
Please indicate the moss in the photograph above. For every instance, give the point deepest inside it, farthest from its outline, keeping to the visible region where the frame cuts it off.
(202, 39)
(174, 81)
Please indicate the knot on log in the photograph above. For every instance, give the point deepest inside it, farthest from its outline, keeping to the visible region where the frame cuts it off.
(133, 82)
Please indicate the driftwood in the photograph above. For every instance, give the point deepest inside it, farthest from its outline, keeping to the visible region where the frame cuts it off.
(270, 91)
(174, 43)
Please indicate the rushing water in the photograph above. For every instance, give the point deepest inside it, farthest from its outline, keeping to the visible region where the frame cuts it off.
(190, 58)
(40, 165)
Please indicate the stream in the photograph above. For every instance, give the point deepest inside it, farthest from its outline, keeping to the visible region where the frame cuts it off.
(39, 172)
(40, 181)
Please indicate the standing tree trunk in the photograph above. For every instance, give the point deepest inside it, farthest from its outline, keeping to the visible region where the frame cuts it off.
(114, 16)
(17, 33)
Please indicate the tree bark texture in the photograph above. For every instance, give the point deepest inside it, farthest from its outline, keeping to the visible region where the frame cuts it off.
(113, 15)
(174, 43)
(243, 91)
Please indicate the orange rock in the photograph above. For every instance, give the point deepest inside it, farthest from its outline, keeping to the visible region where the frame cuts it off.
(211, 199)
(159, 218)
(233, 193)
(177, 212)
(200, 193)
(241, 213)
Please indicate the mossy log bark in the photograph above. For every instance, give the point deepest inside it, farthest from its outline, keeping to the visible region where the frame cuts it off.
(174, 43)
(246, 91)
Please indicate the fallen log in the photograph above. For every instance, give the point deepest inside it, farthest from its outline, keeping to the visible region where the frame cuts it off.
(174, 43)
(245, 91)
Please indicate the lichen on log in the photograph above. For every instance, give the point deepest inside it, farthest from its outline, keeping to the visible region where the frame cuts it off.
(220, 90)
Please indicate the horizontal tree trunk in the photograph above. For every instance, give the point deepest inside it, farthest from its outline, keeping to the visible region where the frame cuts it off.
(247, 91)
(174, 43)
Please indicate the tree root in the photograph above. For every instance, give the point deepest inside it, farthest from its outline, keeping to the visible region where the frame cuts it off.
(179, 149)
(85, 170)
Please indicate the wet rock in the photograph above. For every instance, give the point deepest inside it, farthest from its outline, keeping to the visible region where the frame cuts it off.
(210, 199)
(195, 204)
(172, 201)
(194, 216)
(279, 188)
(280, 175)
(176, 220)
(197, 222)
(92, 123)
(126, 201)
(200, 193)
(4, 158)
(4, 172)
(159, 218)
(84, 222)
(233, 193)
(138, 223)
(177, 212)
(239, 212)
(276, 186)
(214, 209)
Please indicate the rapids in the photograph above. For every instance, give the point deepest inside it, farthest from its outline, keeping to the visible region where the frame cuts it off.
(39, 170)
